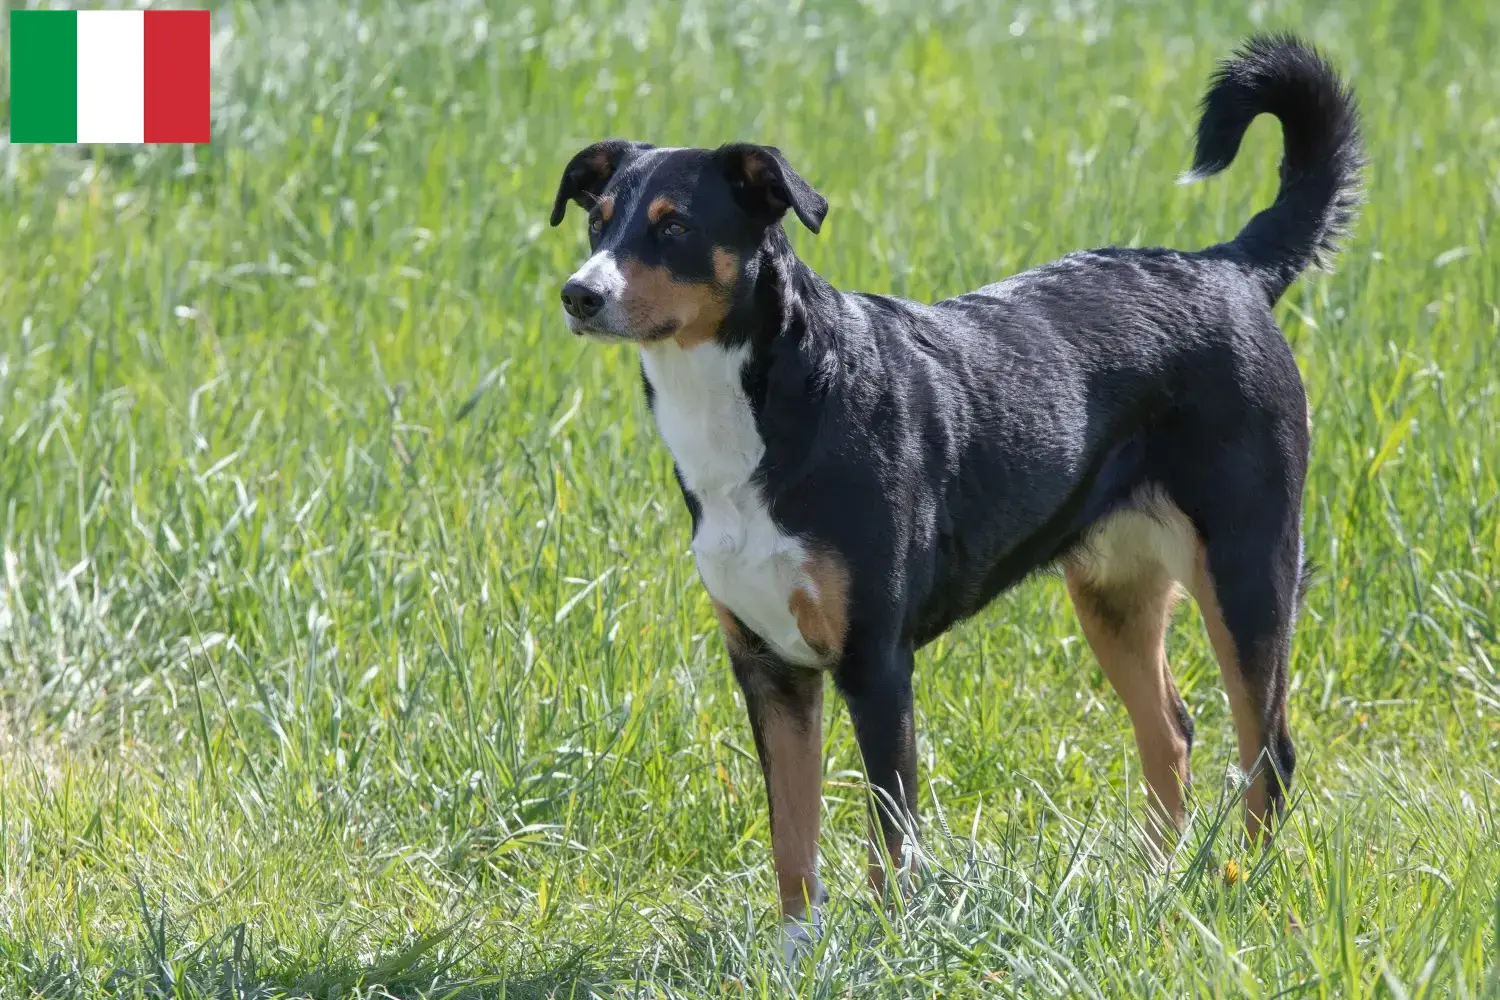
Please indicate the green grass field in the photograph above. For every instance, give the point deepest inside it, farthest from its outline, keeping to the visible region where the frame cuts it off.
(349, 642)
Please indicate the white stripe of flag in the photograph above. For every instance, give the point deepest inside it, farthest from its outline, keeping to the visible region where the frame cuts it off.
(111, 76)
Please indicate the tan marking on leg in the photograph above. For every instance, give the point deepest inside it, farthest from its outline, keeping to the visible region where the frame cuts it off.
(1123, 582)
(875, 867)
(822, 612)
(1247, 723)
(794, 785)
(607, 208)
(1126, 628)
(659, 207)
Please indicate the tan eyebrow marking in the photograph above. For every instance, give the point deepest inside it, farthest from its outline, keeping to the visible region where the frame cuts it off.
(658, 208)
(606, 207)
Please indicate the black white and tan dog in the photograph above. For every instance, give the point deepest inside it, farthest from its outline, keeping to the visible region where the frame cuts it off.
(862, 471)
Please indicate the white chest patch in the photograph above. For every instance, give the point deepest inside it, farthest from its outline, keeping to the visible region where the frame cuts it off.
(746, 562)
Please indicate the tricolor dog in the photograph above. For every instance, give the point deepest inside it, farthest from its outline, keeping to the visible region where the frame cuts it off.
(862, 471)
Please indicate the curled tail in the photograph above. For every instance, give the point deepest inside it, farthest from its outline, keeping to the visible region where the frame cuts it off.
(1279, 75)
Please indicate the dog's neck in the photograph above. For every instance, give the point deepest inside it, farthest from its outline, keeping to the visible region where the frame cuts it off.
(706, 398)
(779, 296)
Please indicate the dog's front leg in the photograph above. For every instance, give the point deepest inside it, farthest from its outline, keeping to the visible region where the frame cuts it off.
(875, 680)
(786, 714)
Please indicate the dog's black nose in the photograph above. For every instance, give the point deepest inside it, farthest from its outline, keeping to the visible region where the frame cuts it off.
(581, 301)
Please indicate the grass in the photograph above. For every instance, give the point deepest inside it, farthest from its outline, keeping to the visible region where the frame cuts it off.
(349, 645)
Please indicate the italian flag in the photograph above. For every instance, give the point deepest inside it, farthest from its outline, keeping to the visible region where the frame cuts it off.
(109, 76)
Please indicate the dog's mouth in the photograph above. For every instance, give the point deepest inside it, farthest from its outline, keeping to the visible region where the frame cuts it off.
(660, 332)
(607, 333)
(592, 330)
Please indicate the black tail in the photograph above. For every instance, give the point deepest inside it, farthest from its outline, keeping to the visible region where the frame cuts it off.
(1279, 75)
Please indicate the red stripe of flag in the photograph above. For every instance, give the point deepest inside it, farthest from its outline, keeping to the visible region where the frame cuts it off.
(176, 76)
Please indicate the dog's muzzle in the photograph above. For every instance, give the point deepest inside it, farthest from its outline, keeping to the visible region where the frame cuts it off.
(591, 297)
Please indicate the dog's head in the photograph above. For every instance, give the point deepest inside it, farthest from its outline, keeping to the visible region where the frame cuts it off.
(672, 232)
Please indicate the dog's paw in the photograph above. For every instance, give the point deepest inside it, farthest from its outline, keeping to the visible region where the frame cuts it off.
(799, 936)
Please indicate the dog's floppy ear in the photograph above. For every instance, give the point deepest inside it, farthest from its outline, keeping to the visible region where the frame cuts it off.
(588, 172)
(766, 184)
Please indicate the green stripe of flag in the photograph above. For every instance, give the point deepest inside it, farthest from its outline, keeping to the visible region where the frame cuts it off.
(43, 76)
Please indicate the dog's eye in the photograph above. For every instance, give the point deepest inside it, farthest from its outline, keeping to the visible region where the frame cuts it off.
(596, 225)
(673, 229)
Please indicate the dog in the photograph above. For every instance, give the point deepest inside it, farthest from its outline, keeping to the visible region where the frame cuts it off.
(862, 472)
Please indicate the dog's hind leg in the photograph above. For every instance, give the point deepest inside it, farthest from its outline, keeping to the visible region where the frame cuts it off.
(1123, 593)
(1246, 587)
(1244, 497)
